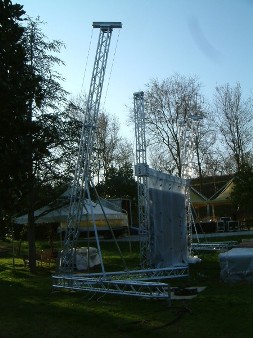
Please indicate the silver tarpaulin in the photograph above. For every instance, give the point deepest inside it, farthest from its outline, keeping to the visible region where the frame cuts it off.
(168, 231)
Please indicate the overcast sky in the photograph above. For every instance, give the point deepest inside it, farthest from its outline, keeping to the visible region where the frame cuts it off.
(211, 39)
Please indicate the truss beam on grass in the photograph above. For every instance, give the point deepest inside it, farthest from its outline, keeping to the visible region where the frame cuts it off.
(214, 246)
(148, 274)
(139, 283)
(120, 287)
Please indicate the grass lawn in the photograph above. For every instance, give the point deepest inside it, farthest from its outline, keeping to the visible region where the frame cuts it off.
(30, 308)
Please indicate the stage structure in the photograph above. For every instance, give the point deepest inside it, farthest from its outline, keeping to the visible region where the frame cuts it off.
(141, 283)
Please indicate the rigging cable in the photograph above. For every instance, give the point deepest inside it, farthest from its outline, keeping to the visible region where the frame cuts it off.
(85, 69)
(109, 78)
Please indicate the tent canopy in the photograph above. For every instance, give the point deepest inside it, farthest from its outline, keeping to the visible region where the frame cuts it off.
(197, 199)
(48, 214)
(224, 196)
(58, 211)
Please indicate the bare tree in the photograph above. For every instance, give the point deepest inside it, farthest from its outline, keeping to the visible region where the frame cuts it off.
(106, 140)
(204, 138)
(110, 148)
(169, 106)
(234, 117)
(123, 153)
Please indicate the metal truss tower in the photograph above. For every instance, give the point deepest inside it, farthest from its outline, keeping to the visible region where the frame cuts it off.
(80, 188)
(187, 133)
(141, 171)
(141, 283)
(187, 154)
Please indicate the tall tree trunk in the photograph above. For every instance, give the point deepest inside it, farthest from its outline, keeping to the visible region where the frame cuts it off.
(31, 232)
(31, 197)
(199, 169)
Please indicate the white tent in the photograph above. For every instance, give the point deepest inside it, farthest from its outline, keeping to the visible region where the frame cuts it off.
(57, 212)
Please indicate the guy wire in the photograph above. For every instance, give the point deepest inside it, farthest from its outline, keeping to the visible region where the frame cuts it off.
(109, 78)
(85, 69)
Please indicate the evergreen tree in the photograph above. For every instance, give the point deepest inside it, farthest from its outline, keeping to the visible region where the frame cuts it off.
(118, 183)
(242, 194)
(32, 128)
(17, 87)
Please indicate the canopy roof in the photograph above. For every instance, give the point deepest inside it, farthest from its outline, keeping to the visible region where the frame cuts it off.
(197, 199)
(224, 196)
(58, 211)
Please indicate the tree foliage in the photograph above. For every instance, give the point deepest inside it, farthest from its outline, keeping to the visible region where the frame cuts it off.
(50, 123)
(18, 86)
(118, 183)
(242, 194)
(169, 105)
(234, 116)
(109, 147)
(220, 141)
(42, 58)
(33, 126)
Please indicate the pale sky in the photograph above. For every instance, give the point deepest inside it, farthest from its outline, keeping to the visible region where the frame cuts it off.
(211, 39)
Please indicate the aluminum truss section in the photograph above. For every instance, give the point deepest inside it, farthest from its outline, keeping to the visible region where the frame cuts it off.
(187, 128)
(187, 154)
(123, 288)
(141, 172)
(140, 283)
(80, 188)
(214, 246)
(149, 274)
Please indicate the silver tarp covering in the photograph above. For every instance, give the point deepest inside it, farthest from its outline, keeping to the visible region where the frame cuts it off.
(237, 265)
(167, 219)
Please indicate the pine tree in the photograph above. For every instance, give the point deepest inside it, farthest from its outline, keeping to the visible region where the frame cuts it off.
(16, 88)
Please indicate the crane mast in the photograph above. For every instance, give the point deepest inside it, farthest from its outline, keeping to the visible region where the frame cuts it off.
(80, 188)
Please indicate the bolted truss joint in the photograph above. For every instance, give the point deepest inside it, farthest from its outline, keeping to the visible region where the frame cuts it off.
(141, 169)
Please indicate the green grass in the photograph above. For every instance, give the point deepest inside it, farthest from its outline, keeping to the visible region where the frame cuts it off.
(30, 308)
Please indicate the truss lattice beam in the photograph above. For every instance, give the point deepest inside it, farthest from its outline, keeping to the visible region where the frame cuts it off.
(141, 283)
(124, 288)
(214, 246)
(149, 274)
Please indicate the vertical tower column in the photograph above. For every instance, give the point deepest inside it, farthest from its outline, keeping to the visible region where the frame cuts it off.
(80, 185)
(141, 171)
